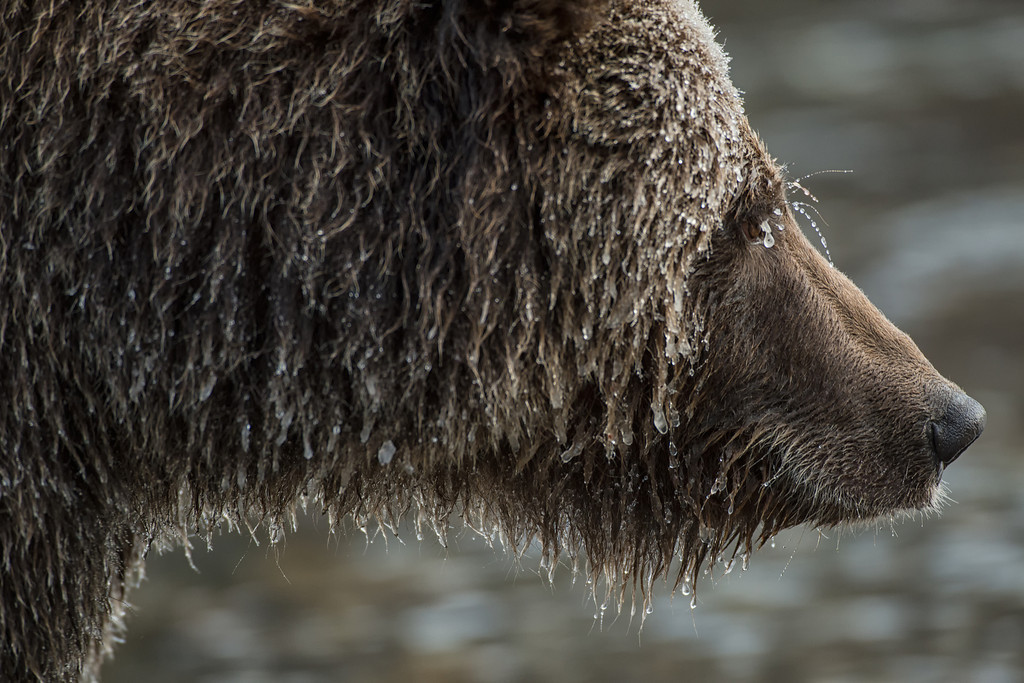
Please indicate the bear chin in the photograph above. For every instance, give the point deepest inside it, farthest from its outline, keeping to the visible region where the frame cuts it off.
(840, 506)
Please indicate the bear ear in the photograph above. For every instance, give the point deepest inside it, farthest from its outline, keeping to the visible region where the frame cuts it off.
(530, 27)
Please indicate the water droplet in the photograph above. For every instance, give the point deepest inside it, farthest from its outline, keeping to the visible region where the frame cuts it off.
(207, 388)
(386, 452)
(660, 423)
(571, 452)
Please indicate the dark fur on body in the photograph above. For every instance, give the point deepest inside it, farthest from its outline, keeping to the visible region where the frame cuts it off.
(483, 259)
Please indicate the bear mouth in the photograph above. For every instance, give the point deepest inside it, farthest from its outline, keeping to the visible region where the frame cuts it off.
(858, 514)
(919, 502)
(836, 503)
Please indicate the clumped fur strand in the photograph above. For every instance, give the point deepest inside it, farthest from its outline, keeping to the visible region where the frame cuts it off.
(474, 259)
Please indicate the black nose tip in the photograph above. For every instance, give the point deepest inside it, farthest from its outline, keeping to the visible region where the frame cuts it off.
(961, 423)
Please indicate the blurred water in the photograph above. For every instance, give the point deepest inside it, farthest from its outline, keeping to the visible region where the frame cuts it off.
(924, 101)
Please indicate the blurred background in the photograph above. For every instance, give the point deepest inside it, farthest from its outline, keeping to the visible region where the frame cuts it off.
(923, 100)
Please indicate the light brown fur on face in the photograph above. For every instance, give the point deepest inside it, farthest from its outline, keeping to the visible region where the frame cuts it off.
(491, 260)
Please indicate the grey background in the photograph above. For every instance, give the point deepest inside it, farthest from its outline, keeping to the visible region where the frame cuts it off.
(924, 101)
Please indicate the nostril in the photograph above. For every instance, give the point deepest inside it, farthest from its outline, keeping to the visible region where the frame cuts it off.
(961, 423)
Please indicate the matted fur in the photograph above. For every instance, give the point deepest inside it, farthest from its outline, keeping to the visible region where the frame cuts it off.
(482, 259)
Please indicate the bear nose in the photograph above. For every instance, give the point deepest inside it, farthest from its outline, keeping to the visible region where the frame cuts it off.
(961, 422)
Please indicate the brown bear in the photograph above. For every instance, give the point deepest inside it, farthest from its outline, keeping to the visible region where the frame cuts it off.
(518, 261)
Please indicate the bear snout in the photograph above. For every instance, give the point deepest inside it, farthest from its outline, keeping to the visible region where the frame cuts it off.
(960, 421)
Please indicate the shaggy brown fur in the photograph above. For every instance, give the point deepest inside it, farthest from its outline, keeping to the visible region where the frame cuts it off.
(504, 260)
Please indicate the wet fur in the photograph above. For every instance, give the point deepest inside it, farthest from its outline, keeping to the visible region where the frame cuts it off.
(483, 260)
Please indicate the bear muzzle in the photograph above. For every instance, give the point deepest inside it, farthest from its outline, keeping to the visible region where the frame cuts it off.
(960, 422)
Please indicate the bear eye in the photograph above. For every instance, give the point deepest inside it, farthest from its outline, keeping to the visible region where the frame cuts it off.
(758, 231)
(752, 230)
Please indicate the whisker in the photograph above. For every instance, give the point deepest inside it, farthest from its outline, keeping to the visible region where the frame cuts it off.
(802, 209)
(817, 173)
